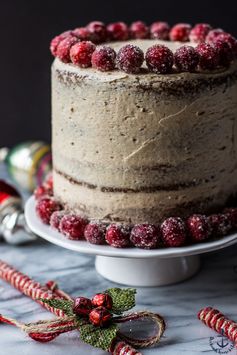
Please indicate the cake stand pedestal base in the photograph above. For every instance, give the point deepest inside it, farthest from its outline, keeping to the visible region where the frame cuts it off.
(147, 272)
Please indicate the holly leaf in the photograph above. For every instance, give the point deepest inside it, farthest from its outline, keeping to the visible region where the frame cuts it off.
(123, 299)
(98, 337)
(64, 305)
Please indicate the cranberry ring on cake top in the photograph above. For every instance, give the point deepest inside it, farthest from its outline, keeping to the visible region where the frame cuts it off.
(207, 48)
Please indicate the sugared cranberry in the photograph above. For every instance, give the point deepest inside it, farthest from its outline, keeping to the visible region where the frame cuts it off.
(103, 58)
(145, 236)
(130, 58)
(208, 56)
(82, 33)
(160, 30)
(139, 30)
(73, 226)
(97, 31)
(56, 40)
(45, 208)
(118, 31)
(213, 34)
(186, 58)
(54, 45)
(231, 214)
(117, 235)
(220, 224)
(199, 32)
(100, 316)
(225, 52)
(102, 299)
(82, 306)
(41, 191)
(173, 232)
(159, 59)
(180, 32)
(81, 53)
(95, 233)
(55, 219)
(48, 182)
(63, 49)
(66, 33)
(232, 41)
(199, 228)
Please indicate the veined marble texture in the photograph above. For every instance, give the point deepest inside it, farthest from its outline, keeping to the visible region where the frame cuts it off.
(215, 285)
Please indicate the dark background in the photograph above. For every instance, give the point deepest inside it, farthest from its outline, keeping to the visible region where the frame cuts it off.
(27, 27)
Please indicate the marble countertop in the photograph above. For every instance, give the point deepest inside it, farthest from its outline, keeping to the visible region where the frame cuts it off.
(215, 285)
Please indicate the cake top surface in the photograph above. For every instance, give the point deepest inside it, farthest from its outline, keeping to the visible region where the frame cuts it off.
(139, 49)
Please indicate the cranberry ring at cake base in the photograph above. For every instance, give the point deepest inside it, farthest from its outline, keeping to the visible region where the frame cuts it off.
(212, 49)
(172, 232)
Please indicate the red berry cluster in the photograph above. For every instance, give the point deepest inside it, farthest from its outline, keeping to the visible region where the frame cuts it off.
(97, 310)
(173, 232)
(215, 48)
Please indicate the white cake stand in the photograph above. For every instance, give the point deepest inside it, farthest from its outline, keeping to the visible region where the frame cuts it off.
(133, 266)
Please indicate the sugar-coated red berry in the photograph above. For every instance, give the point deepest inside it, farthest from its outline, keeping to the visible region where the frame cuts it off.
(66, 33)
(103, 58)
(139, 30)
(54, 45)
(55, 219)
(231, 214)
(160, 30)
(48, 181)
(225, 52)
(56, 40)
(82, 306)
(82, 33)
(45, 208)
(198, 227)
(208, 56)
(73, 226)
(159, 59)
(220, 224)
(174, 232)
(145, 236)
(81, 53)
(213, 34)
(180, 32)
(98, 32)
(63, 49)
(95, 233)
(42, 191)
(228, 38)
(118, 235)
(102, 299)
(130, 58)
(186, 59)
(199, 32)
(118, 31)
(100, 316)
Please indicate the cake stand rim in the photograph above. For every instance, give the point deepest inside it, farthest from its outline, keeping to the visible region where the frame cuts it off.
(46, 232)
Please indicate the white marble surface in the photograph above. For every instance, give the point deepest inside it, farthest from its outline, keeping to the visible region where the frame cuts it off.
(214, 285)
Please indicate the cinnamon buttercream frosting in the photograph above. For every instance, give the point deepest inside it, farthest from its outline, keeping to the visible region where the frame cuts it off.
(139, 148)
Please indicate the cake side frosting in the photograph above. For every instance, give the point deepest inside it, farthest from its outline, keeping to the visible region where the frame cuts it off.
(137, 148)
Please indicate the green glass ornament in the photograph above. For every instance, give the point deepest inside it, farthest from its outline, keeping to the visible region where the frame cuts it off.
(28, 163)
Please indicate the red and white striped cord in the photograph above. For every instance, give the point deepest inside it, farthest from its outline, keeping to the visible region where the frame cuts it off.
(121, 348)
(217, 321)
(31, 288)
